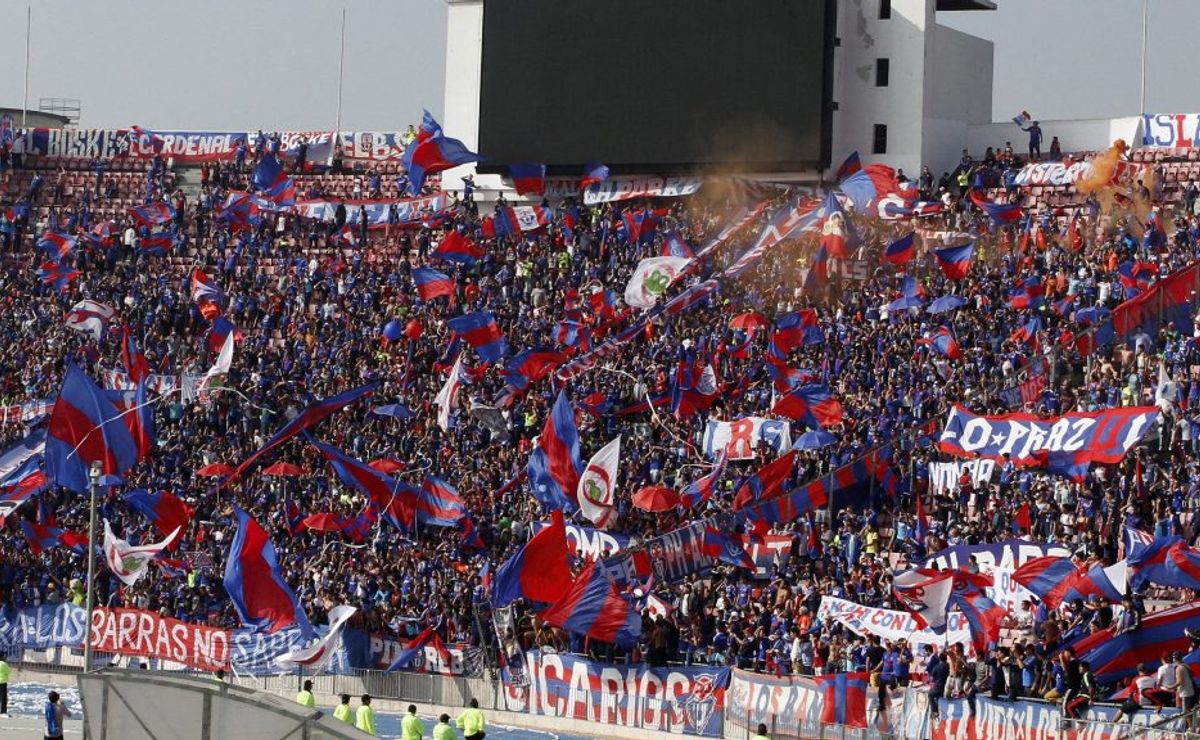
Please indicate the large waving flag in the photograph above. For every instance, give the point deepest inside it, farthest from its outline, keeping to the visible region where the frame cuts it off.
(396, 501)
(837, 233)
(530, 366)
(955, 261)
(18, 485)
(425, 157)
(134, 361)
(1001, 213)
(539, 571)
(766, 482)
(262, 599)
(699, 491)
(430, 128)
(555, 465)
(844, 698)
(651, 278)
(129, 562)
(309, 417)
(1115, 657)
(137, 413)
(812, 405)
(594, 607)
(869, 184)
(57, 244)
(851, 165)
(796, 329)
(597, 486)
(594, 173)
(982, 614)
(55, 274)
(438, 503)
(164, 510)
(89, 317)
(272, 182)
(900, 251)
(726, 547)
(481, 331)
(152, 214)
(431, 283)
(42, 537)
(942, 339)
(1056, 580)
(925, 594)
(456, 247)
(528, 179)
(86, 427)
(416, 646)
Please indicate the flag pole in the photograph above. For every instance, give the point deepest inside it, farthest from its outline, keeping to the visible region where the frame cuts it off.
(28, 28)
(341, 64)
(94, 475)
(1145, 33)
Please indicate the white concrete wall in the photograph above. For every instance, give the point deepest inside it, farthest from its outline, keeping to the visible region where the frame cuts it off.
(958, 92)
(865, 38)
(460, 117)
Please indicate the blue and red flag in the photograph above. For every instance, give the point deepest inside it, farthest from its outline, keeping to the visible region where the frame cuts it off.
(1027, 294)
(431, 283)
(942, 340)
(137, 413)
(272, 182)
(555, 464)
(502, 223)
(455, 247)
(844, 698)
(594, 607)
(396, 501)
(430, 128)
(240, 212)
(799, 328)
(164, 510)
(594, 173)
(869, 184)
(57, 244)
(53, 273)
(766, 482)
(1135, 276)
(603, 303)
(220, 331)
(531, 365)
(416, 646)
(851, 165)
(207, 295)
(1115, 657)
(674, 245)
(42, 537)
(260, 595)
(570, 333)
(528, 179)
(1057, 580)
(900, 251)
(1000, 213)
(136, 366)
(439, 504)
(431, 155)
(539, 571)
(726, 547)
(837, 233)
(86, 427)
(481, 331)
(785, 378)
(701, 490)
(158, 243)
(693, 387)
(146, 138)
(955, 261)
(982, 614)
(1027, 333)
(812, 404)
(313, 414)
(152, 214)
(24, 481)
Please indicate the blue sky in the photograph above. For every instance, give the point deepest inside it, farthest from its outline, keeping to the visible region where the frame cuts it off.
(230, 64)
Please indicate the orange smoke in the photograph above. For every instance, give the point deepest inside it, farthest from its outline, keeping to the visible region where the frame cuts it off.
(1104, 169)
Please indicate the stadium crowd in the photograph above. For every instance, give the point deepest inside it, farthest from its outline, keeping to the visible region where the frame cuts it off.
(311, 307)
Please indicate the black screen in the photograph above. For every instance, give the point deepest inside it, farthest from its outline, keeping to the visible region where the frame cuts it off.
(657, 85)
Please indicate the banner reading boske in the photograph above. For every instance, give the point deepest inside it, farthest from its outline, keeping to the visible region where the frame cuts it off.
(138, 632)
